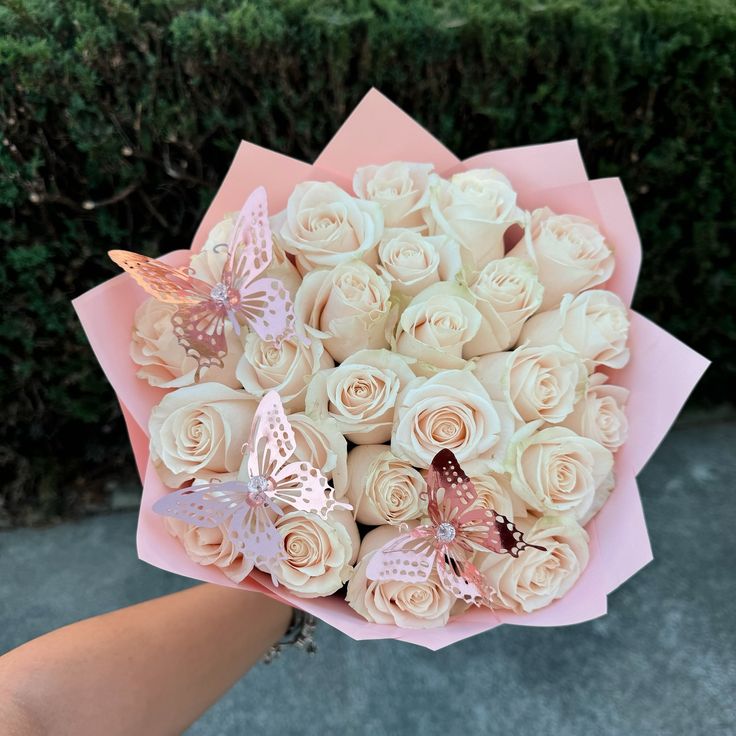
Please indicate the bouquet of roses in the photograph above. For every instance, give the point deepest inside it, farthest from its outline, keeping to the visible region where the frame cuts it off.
(401, 392)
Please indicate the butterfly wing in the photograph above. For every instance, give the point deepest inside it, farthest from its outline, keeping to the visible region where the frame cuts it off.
(302, 486)
(463, 580)
(250, 248)
(407, 558)
(493, 531)
(255, 536)
(449, 489)
(271, 441)
(200, 330)
(267, 307)
(207, 506)
(166, 283)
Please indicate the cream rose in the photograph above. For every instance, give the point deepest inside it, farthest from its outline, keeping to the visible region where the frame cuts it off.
(323, 445)
(348, 308)
(163, 361)
(534, 579)
(495, 492)
(199, 431)
(452, 410)
(400, 188)
(287, 368)
(411, 262)
(594, 324)
(475, 208)
(209, 547)
(555, 471)
(323, 226)
(360, 394)
(410, 605)
(319, 553)
(570, 253)
(435, 327)
(536, 383)
(382, 488)
(601, 413)
(507, 292)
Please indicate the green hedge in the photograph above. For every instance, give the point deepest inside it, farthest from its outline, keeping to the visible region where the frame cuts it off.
(119, 118)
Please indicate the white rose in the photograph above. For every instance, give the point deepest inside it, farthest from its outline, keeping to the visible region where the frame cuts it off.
(348, 308)
(163, 361)
(323, 226)
(601, 413)
(410, 605)
(400, 188)
(475, 208)
(287, 368)
(451, 410)
(435, 327)
(209, 547)
(323, 445)
(495, 492)
(594, 324)
(507, 292)
(382, 488)
(360, 394)
(536, 383)
(199, 431)
(319, 553)
(569, 253)
(411, 262)
(534, 579)
(555, 471)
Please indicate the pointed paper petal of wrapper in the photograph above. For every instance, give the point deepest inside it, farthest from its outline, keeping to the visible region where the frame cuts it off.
(377, 132)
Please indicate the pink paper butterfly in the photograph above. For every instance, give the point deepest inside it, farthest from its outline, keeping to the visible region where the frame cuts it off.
(457, 529)
(265, 483)
(203, 309)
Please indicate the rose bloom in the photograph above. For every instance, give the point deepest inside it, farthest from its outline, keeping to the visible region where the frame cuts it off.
(322, 444)
(507, 292)
(400, 188)
(323, 226)
(495, 492)
(555, 471)
(436, 325)
(534, 579)
(453, 410)
(569, 253)
(199, 431)
(163, 361)
(594, 324)
(209, 262)
(475, 208)
(536, 383)
(209, 547)
(348, 308)
(411, 262)
(382, 488)
(411, 605)
(286, 368)
(601, 413)
(360, 394)
(319, 553)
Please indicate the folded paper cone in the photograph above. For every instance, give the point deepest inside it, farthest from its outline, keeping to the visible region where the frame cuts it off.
(661, 374)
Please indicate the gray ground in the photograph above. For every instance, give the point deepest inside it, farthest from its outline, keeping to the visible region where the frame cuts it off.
(661, 662)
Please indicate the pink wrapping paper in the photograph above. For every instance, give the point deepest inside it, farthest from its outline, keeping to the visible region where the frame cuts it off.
(661, 374)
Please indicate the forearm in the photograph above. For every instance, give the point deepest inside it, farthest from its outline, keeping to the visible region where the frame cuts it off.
(151, 668)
